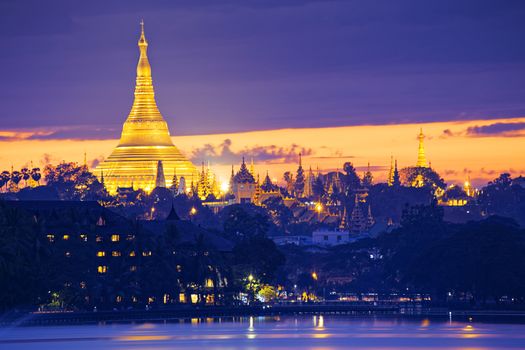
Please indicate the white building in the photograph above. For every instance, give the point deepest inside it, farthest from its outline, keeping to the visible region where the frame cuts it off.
(328, 237)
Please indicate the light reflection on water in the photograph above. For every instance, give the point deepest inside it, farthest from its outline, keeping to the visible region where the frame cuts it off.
(309, 332)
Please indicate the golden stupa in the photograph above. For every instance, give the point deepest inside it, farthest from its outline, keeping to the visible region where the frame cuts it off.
(145, 140)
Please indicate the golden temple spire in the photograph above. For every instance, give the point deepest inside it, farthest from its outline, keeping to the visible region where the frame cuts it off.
(421, 159)
(145, 137)
(144, 125)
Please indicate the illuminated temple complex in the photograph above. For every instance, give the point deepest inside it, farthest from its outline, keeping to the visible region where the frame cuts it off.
(145, 142)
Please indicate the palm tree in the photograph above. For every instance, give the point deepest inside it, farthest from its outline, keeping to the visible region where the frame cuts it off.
(35, 175)
(25, 175)
(16, 176)
(4, 178)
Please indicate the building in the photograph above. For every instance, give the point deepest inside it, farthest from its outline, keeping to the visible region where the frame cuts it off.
(96, 249)
(268, 190)
(145, 140)
(298, 240)
(326, 237)
(243, 185)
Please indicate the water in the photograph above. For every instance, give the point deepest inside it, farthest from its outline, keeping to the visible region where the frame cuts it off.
(308, 332)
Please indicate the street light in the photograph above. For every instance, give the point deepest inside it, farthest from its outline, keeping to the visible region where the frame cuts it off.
(314, 276)
(319, 209)
(193, 211)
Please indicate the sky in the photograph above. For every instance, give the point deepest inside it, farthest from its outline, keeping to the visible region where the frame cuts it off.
(243, 71)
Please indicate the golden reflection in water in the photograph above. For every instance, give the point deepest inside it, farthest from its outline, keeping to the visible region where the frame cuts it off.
(251, 328)
(425, 323)
(320, 325)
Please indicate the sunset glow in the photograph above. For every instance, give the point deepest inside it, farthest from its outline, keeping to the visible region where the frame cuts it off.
(454, 149)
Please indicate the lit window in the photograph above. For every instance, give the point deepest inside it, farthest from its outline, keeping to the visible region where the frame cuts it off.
(83, 237)
(132, 253)
(146, 253)
(115, 253)
(65, 237)
(130, 237)
(99, 239)
(134, 299)
(68, 254)
(133, 268)
(209, 283)
(51, 238)
(151, 300)
(102, 269)
(82, 285)
(118, 299)
(115, 238)
(101, 254)
(166, 298)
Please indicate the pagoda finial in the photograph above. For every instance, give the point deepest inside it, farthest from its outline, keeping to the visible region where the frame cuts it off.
(300, 160)
(421, 158)
(142, 39)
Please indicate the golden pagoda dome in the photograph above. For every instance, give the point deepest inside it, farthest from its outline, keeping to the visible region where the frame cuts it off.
(145, 139)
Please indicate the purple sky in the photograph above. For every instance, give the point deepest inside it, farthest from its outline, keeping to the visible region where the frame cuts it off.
(224, 66)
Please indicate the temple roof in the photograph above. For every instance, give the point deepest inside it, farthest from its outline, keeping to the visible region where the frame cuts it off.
(244, 175)
(267, 185)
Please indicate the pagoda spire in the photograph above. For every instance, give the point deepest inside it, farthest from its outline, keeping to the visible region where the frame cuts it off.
(160, 179)
(396, 182)
(145, 137)
(421, 158)
(144, 124)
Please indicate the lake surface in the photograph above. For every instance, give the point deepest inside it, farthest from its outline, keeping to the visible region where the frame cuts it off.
(288, 332)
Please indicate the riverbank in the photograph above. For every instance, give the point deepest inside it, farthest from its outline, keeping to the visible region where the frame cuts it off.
(199, 312)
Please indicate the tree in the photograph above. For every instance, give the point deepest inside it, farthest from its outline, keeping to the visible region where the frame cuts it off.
(267, 293)
(421, 177)
(288, 178)
(258, 256)
(74, 182)
(483, 259)
(351, 179)
(501, 197)
(244, 221)
(318, 188)
(35, 175)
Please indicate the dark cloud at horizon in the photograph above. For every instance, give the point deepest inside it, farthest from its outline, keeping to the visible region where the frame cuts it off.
(496, 129)
(237, 65)
(223, 154)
